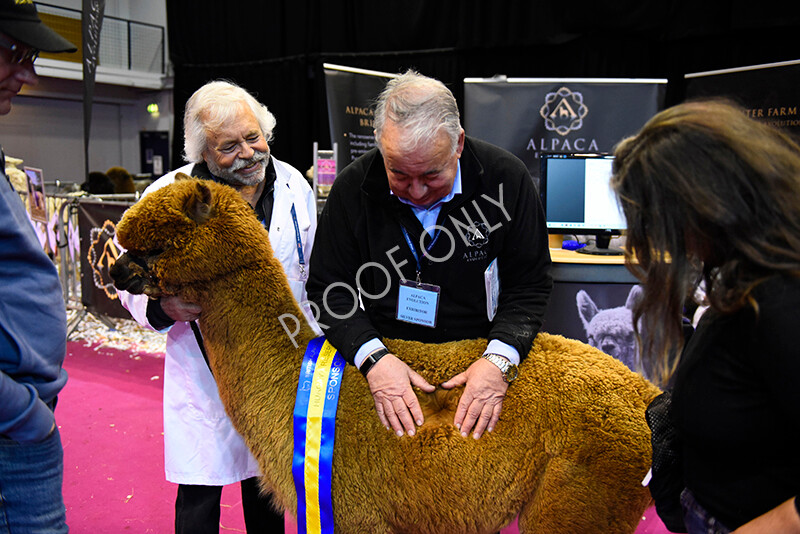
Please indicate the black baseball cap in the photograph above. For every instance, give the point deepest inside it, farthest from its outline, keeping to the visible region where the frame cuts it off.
(20, 20)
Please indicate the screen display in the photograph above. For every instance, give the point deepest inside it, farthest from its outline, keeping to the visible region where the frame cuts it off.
(576, 194)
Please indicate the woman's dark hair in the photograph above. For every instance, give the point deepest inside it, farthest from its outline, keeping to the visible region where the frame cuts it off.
(710, 195)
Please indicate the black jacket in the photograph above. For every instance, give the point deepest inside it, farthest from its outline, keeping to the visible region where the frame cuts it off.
(360, 234)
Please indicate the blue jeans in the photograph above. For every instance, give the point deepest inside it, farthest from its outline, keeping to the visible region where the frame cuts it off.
(31, 478)
(697, 519)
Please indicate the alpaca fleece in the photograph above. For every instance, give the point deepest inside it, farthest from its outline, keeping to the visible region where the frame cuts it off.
(567, 457)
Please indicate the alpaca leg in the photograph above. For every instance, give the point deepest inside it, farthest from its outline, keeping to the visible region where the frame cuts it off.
(572, 499)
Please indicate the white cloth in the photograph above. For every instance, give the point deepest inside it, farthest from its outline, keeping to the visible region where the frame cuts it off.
(200, 444)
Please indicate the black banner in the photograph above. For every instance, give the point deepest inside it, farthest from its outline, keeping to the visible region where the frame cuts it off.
(92, 22)
(97, 223)
(530, 116)
(351, 94)
(768, 92)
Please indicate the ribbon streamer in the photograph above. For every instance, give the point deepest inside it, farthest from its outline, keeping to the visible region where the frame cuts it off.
(314, 431)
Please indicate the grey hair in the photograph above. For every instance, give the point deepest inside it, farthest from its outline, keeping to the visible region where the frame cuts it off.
(422, 106)
(211, 106)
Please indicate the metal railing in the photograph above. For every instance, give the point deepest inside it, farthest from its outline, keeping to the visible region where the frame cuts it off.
(124, 44)
(60, 238)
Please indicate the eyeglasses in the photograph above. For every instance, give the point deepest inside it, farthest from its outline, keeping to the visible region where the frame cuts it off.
(19, 52)
(234, 147)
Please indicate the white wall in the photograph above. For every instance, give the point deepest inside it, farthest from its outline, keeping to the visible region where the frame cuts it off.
(45, 125)
(149, 11)
(45, 128)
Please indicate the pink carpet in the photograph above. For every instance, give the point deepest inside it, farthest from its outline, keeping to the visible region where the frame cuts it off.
(111, 426)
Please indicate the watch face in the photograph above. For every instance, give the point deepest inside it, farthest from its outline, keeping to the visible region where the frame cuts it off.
(509, 370)
(511, 373)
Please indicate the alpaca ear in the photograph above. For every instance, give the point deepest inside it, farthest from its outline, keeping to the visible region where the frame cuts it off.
(587, 309)
(634, 296)
(182, 176)
(198, 204)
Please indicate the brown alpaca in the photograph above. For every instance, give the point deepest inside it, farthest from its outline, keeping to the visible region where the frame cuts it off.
(568, 455)
(122, 180)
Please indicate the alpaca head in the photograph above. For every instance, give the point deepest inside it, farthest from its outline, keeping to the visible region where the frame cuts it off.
(121, 180)
(186, 233)
(611, 330)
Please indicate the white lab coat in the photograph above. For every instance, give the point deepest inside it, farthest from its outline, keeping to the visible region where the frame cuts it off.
(200, 444)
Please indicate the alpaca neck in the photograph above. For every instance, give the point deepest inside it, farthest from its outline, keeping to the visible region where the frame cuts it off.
(256, 364)
(268, 317)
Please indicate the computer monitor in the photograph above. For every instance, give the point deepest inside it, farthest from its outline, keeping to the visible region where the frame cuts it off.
(578, 199)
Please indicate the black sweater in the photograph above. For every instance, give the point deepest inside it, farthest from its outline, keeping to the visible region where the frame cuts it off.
(362, 223)
(736, 403)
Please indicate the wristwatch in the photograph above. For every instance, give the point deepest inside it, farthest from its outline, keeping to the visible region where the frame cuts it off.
(509, 370)
(371, 360)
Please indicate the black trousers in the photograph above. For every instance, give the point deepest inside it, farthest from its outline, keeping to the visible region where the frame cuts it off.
(197, 510)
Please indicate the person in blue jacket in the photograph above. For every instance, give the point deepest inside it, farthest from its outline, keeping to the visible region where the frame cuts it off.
(33, 325)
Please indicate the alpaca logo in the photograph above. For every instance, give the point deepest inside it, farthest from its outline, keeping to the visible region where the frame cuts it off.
(103, 253)
(477, 235)
(563, 111)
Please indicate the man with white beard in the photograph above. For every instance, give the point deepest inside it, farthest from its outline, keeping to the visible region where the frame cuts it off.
(226, 135)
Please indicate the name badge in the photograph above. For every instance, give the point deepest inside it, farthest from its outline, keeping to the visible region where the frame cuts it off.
(418, 303)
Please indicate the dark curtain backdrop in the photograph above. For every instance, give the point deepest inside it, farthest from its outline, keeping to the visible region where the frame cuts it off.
(276, 48)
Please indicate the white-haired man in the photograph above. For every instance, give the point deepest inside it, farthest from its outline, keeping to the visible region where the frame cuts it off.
(442, 237)
(226, 132)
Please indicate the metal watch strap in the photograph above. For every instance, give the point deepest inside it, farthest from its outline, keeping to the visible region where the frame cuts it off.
(371, 360)
(502, 363)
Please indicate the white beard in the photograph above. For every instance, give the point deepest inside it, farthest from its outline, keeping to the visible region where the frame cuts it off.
(230, 175)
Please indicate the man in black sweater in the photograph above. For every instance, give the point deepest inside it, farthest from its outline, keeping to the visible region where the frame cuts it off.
(433, 237)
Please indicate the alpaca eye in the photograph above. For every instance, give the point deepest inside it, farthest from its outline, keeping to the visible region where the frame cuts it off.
(628, 336)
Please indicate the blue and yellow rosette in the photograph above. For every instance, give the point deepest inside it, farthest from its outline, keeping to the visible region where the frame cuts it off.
(314, 432)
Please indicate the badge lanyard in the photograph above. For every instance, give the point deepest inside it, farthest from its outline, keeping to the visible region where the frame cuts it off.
(418, 303)
(300, 257)
(414, 249)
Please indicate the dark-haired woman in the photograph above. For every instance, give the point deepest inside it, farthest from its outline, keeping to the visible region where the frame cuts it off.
(712, 197)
